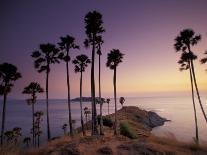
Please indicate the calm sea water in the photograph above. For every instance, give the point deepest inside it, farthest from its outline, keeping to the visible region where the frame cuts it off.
(177, 109)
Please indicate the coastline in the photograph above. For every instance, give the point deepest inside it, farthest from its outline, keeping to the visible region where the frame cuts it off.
(140, 121)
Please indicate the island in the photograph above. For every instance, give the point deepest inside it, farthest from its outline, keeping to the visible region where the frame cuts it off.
(84, 99)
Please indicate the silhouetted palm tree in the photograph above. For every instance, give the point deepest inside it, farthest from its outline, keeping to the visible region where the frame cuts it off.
(47, 55)
(8, 74)
(17, 133)
(108, 101)
(86, 112)
(64, 127)
(81, 62)
(183, 42)
(94, 28)
(121, 101)
(27, 141)
(32, 89)
(66, 44)
(38, 119)
(101, 101)
(113, 59)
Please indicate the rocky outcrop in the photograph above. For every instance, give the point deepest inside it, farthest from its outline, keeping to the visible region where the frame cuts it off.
(147, 119)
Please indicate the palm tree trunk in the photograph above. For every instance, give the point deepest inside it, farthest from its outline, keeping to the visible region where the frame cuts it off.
(38, 136)
(33, 136)
(69, 107)
(86, 121)
(81, 107)
(99, 81)
(94, 122)
(108, 108)
(3, 117)
(47, 104)
(114, 81)
(196, 86)
(194, 107)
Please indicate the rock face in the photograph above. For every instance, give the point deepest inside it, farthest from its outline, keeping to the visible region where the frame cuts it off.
(155, 120)
(148, 119)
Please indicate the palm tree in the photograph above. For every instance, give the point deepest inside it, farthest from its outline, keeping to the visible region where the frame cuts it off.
(101, 101)
(99, 42)
(121, 101)
(27, 141)
(32, 89)
(108, 101)
(185, 65)
(86, 112)
(113, 59)
(17, 133)
(81, 62)
(38, 118)
(47, 55)
(64, 127)
(8, 74)
(94, 28)
(67, 43)
(184, 42)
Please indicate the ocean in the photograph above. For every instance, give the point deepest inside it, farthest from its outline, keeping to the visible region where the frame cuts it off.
(177, 109)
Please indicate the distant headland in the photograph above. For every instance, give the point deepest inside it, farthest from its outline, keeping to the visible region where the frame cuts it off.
(84, 99)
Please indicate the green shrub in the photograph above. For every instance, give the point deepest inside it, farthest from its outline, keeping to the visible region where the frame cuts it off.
(125, 130)
(107, 121)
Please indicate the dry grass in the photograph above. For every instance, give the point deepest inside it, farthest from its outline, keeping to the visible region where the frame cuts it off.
(10, 150)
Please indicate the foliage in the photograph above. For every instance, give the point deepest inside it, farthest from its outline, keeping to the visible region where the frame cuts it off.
(107, 121)
(114, 58)
(126, 130)
(8, 74)
(47, 55)
(81, 62)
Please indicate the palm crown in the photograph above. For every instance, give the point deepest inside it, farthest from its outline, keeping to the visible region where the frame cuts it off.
(93, 24)
(81, 62)
(32, 89)
(47, 55)
(8, 74)
(184, 60)
(185, 39)
(67, 43)
(114, 58)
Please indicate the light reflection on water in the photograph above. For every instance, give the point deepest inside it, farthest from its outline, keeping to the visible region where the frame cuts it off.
(177, 109)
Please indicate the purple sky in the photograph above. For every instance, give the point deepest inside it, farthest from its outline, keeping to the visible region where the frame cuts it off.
(144, 30)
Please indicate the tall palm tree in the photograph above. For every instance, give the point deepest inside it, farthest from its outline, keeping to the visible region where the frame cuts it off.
(184, 42)
(113, 59)
(67, 43)
(81, 62)
(99, 42)
(108, 101)
(185, 65)
(8, 74)
(32, 89)
(47, 55)
(94, 28)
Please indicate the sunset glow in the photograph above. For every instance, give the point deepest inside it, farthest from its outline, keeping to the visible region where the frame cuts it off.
(143, 31)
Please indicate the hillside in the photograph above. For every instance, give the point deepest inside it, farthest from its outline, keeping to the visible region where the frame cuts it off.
(140, 123)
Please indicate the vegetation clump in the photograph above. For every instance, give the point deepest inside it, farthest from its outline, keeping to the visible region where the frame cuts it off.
(107, 121)
(126, 130)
